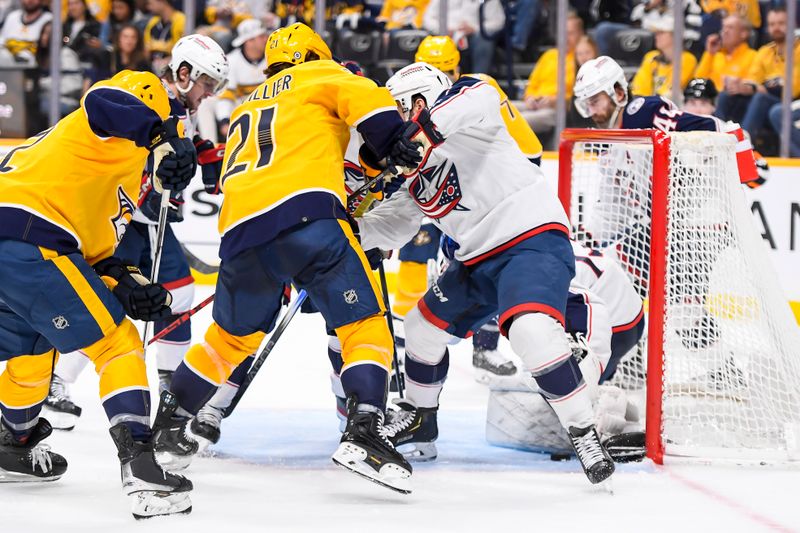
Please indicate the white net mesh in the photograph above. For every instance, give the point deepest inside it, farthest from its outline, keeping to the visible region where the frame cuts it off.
(731, 350)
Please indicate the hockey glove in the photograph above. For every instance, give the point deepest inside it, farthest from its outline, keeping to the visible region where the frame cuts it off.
(384, 188)
(422, 131)
(150, 206)
(210, 156)
(141, 299)
(174, 157)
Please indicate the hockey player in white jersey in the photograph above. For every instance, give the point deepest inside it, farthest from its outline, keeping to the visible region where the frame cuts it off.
(514, 258)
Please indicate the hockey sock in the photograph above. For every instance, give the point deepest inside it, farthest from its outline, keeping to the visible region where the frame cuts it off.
(174, 345)
(424, 381)
(542, 344)
(224, 395)
(367, 356)
(487, 337)
(23, 387)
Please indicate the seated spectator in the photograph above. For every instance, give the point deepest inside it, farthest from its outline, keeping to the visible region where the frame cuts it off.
(123, 13)
(162, 32)
(129, 51)
(72, 85)
(654, 77)
(99, 9)
(247, 64)
(22, 31)
(406, 13)
(463, 25)
(776, 120)
(726, 61)
(715, 11)
(539, 108)
(765, 79)
(82, 34)
(291, 11)
(585, 49)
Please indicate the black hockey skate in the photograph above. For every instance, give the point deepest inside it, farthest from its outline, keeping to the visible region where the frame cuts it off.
(491, 366)
(205, 427)
(365, 450)
(174, 446)
(596, 463)
(626, 447)
(31, 460)
(413, 430)
(154, 491)
(164, 380)
(61, 411)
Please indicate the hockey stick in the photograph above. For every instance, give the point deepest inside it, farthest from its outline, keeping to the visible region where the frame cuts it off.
(183, 318)
(198, 264)
(262, 356)
(390, 321)
(157, 252)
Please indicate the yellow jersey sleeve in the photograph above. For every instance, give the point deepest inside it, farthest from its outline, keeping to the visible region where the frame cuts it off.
(517, 126)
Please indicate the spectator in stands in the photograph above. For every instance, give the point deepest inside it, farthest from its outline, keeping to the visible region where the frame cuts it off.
(654, 77)
(6, 7)
(82, 34)
(726, 61)
(22, 31)
(776, 119)
(404, 13)
(129, 50)
(224, 16)
(123, 13)
(463, 25)
(764, 81)
(72, 84)
(539, 108)
(247, 64)
(585, 49)
(715, 11)
(162, 32)
(527, 14)
(291, 11)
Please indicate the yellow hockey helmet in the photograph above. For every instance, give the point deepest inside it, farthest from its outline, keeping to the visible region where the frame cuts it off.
(146, 86)
(438, 51)
(292, 43)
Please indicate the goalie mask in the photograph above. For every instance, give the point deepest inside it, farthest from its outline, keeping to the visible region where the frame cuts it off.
(600, 75)
(417, 79)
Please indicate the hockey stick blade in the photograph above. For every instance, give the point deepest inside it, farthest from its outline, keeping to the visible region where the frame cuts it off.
(198, 264)
(262, 356)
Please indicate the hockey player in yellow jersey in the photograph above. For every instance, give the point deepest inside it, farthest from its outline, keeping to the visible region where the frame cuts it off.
(412, 281)
(284, 221)
(68, 194)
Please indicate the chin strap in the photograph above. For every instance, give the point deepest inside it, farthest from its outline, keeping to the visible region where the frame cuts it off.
(612, 122)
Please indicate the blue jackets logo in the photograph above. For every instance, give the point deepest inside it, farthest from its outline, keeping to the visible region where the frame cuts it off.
(435, 192)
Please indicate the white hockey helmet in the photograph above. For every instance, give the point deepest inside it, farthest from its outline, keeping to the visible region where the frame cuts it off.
(417, 79)
(598, 75)
(204, 56)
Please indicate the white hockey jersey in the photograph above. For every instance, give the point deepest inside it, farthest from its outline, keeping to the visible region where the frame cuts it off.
(244, 76)
(477, 187)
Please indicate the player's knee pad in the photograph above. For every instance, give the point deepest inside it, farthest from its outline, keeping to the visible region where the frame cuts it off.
(366, 341)
(541, 343)
(425, 343)
(217, 357)
(119, 360)
(26, 380)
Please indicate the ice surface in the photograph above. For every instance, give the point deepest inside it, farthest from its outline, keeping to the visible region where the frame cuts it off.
(272, 472)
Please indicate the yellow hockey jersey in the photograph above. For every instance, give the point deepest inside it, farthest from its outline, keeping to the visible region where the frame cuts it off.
(517, 126)
(285, 150)
(74, 187)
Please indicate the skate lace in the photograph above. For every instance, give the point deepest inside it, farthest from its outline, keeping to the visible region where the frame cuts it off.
(58, 389)
(400, 420)
(210, 415)
(589, 449)
(494, 357)
(40, 456)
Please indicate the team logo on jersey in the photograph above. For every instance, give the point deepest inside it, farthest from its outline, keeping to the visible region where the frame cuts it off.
(60, 322)
(350, 297)
(125, 208)
(635, 106)
(436, 192)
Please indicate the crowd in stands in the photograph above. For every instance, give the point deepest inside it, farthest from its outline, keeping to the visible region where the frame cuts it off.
(738, 44)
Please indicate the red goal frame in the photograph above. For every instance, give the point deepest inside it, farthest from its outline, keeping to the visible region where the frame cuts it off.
(658, 250)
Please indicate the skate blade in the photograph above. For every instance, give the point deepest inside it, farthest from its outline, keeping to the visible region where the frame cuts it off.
(59, 420)
(7, 476)
(173, 463)
(419, 452)
(149, 504)
(352, 458)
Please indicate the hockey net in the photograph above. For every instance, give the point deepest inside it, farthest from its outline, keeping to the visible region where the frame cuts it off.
(721, 359)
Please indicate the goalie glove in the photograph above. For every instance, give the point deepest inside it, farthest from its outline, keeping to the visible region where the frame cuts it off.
(174, 157)
(141, 299)
(209, 157)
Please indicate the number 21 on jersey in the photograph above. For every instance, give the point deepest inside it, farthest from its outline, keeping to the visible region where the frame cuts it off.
(252, 137)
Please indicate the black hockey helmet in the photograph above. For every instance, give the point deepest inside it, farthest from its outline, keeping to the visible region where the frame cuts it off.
(702, 88)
